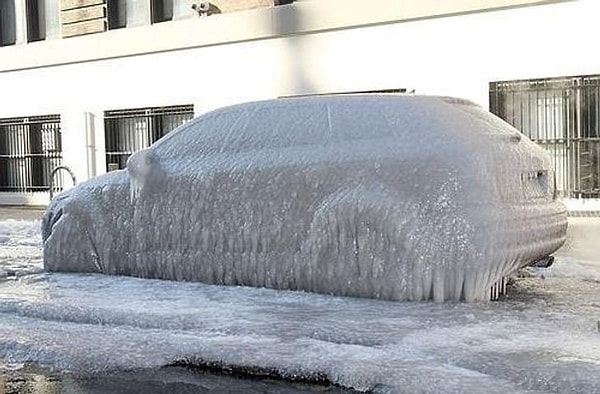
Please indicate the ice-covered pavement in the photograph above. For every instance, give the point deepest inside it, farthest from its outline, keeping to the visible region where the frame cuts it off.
(545, 338)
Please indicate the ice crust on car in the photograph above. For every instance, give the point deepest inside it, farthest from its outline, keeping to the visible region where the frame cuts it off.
(393, 197)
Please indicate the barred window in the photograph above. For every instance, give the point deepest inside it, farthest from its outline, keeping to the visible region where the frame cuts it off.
(30, 148)
(130, 130)
(563, 116)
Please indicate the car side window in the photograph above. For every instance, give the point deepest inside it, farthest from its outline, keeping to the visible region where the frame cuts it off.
(282, 126)
(258, 128)
(203, 136)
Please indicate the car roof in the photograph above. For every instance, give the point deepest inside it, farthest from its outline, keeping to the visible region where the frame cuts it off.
(344, 99)
(443, 123)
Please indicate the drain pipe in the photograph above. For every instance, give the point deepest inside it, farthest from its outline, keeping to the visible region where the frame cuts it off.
(54, 171)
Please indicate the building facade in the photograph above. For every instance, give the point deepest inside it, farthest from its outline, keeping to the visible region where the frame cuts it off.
(84, 83)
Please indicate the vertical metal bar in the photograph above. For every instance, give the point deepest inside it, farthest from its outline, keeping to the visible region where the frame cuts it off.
(8, 153)
(597, 111)
(115, 137)
(530, 131)
(579, 132)
(512, 107)
(492, 98)
(522, 127)
(570, 149)
(154, 127)
(12, 152)
(586, 165)
(33, 154)
(517, 110)
(107, 140)
(125, 134)
(27, 158)
(7, 149)
(26, 132)
(13, 155)
(46, 152)
(576, 143)
(122, 133)
(565, 134)
(559, 149)
(596, 134)
(121, 138)
(568, 153)
(59, 146)
(110, 140)
(22, 163)
(24, 157)
(13, 174)
(20, 141)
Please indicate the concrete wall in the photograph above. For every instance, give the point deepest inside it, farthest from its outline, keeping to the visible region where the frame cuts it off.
(454, 55)
(299, 18)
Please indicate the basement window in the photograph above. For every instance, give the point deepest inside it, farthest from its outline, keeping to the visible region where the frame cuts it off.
(161, 10)
(116, 14)
(36, 29)
(7, 23)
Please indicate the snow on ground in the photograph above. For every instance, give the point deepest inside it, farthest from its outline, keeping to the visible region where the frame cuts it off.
(20, 248)
(580, 256)
(544, 338)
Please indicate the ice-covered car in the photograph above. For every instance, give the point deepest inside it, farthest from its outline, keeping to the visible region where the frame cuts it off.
(384, 196)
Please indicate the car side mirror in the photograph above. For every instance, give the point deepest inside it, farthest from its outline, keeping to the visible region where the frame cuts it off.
(145, 172)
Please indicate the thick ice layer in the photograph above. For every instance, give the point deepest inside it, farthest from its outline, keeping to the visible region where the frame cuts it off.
(394, 197)
(544, 342)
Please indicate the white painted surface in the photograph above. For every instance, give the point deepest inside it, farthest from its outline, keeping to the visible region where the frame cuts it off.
(583, 204)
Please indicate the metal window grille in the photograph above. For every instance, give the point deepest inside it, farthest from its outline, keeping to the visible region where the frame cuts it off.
(563, 116)
(30, 148)
(130, 130)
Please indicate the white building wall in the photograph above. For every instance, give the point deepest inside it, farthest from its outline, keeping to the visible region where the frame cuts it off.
(51, 19)
(456, 55)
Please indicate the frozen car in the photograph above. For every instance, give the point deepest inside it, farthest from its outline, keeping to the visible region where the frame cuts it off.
(384, 196)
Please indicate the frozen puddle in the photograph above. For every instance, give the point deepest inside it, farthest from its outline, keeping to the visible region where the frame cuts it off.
(544, 340)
